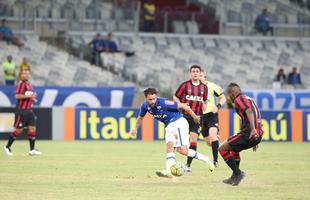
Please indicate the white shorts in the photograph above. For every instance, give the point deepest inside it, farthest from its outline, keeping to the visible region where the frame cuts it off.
(178, 133)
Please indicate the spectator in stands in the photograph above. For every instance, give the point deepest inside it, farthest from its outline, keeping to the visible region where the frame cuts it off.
(9, 68)
(294, 78)
(280, 77)
(262, 23)
(149, 10)
(6, 34)
(24, 63)
(112, 47)
(97, 45)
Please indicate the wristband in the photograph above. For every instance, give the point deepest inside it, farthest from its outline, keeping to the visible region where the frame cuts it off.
(218, 105)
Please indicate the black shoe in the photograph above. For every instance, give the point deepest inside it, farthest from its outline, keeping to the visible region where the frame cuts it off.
(238, 179)
(216, 164)
(229, 180)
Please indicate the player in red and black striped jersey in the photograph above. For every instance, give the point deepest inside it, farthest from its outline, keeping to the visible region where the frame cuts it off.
(249, 136)
(194, 93)
(24, 116)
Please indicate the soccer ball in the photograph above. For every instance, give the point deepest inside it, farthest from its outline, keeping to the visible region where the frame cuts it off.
(177, 169)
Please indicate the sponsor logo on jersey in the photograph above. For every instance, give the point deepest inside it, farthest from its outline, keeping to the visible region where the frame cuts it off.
(160, 116)
(193, 98)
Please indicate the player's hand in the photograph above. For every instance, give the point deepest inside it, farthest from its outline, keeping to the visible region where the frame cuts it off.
(255, 148)
(253, 134)
(34, 97)
(215, 110)
(197, 119)
(133, 132)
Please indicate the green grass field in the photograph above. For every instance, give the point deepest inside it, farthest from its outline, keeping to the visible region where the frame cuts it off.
(125, 170)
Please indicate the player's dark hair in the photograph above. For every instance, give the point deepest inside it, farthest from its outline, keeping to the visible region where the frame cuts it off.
(149, 91)
(195, 67)
(233, 85)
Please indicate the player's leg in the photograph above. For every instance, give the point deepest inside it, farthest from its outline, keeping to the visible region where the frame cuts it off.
(183, 142)
(18, 128)
(32, 133)
(214, 142)
(170, 135)
(32, 140)
(228, 150)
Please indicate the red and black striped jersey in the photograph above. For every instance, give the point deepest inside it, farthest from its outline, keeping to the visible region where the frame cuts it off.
(242, 103)
(21, 88)
(193, 95)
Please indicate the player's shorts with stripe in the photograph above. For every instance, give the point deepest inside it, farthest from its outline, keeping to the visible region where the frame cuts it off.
(209, 120)
(241, 141)
(193, 126)
(177, 132)
(24, 118)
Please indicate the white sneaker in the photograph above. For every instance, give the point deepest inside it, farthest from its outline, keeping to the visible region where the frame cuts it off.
(7, 151)
(187, 168)
(35, 152)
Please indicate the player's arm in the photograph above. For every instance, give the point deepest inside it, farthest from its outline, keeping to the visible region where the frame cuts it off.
(176, 99)
(134, 131)
(219, 93)
(250, 116)
(179, 93)
(142, 113)
(187, 109)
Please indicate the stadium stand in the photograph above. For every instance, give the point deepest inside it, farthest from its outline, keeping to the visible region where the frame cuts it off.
(226, 58)
(54, 67)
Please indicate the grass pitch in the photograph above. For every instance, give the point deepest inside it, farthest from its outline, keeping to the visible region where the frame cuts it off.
(126, 170)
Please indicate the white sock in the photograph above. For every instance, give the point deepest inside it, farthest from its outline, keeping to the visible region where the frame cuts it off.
(197, 155)
(170, 160)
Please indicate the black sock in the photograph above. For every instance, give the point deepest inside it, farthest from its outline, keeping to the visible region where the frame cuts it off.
(31, 143)
(237, 162)
(215, 147)
(230, 161)
(190, 159)
(10, 141)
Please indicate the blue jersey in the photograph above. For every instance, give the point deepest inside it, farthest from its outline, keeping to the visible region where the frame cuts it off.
(164, 110)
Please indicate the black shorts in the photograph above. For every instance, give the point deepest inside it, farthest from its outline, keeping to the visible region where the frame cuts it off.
(209, 120)
(241, 141)
(24, 118)
(193, 126)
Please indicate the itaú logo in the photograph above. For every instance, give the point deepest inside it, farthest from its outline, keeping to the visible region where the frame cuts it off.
(194, 98)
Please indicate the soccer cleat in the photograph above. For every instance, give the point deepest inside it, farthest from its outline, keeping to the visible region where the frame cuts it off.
(216, 164)
(164, 173)
(210, 166)
(187, 168)
(229, 180)
(7, 151)
(237, 179)
(35, 152)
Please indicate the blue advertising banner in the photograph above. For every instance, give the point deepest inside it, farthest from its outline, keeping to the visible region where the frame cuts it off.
(115, 97)
(280, 99)
(277, 125)
(306, 126)
(105, 124)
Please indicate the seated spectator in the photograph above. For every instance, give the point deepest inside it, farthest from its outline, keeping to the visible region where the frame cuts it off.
(262, 23)
(9, 68)
(97, 45)
(6, 34)
(112, 46)
(294, 78)
(24, 64)
(280, 77)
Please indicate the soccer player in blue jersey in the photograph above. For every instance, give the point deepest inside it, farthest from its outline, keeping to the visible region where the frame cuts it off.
(176, 128)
